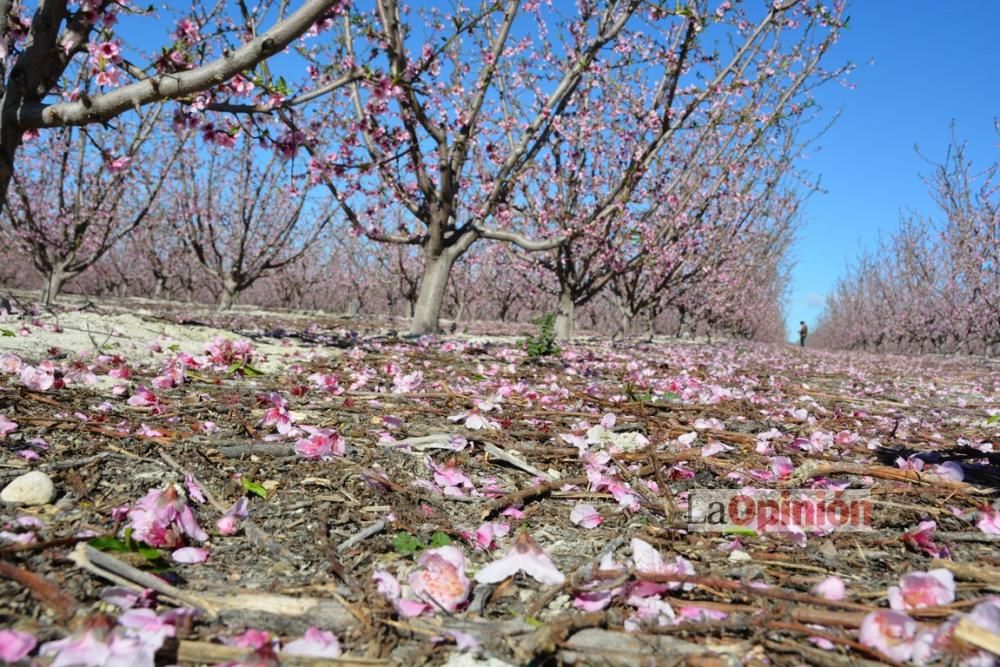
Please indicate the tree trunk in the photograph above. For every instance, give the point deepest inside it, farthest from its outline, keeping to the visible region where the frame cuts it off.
(53, 285)
(427, 309)
(564, 316)
(160, 287)
(651, 324)
(227, 298)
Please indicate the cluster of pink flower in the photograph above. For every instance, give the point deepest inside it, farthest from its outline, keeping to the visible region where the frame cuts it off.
(138, 633)
(439, 582)
(894, 633)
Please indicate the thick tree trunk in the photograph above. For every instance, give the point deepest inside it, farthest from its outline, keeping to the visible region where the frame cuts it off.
(227, 298)
(53, 285)
(160, 287)
(651, 325)
(564, 316)
(681, 316)
(427, 309)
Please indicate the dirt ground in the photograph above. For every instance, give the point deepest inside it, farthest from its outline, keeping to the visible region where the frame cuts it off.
(467, 441)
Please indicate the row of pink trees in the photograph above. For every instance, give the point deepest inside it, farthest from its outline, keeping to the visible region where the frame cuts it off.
(516, 123)
(610, 145)
(932, 285)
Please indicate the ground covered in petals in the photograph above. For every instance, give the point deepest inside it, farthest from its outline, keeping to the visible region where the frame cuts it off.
(316, 490)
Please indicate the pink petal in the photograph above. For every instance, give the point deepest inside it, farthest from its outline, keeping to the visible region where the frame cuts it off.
(585, 516)
(315, 643)
(831, 588)
(16, 644)
(190, 555)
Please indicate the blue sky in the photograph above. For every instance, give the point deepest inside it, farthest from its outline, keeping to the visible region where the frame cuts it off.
(932, 62)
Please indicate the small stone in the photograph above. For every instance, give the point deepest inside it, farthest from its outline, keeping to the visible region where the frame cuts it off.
(31, 488)
(739, 556)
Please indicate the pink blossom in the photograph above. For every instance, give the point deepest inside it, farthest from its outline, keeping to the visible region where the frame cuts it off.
(782, 466)
(922, 538)
(487, 533)
(525, 556)
(831, 588)
(146, 431)
(229, 522)
(84, 649)
(649, 609)
(187, 30)
(37, 379)
(10, 363)
(148, 624)
(647, 560)
(314, 643)
(108, 77)
(277, 414)
(107, 50)
(585, 516)
(194, 488)
(404, 384)
(252, 638)
(440, 578)
(449, 476)
(162, 517)
(327, 382)
(986, 615)
(385, 89)
(890, 632)
(321, 444)
(474, 421)
(143, 398)
(172, 375)
(241, 85)
(923, 589)
(6, 426)
(712, 448)
(388, 586)
(989, 520)
(118, 164)
(16, 644)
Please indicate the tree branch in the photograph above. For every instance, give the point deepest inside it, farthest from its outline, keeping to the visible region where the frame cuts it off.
(180, 84)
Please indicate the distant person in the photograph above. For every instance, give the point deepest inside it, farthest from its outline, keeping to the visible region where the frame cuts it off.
(803, 332)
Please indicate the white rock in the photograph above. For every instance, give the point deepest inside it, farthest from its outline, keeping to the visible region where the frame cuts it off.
(31, 488)
(739, 556)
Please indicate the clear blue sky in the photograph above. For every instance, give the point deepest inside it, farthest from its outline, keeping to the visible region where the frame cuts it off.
(931, 62)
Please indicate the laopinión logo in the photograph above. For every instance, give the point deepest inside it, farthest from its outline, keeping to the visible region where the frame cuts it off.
(785, 510)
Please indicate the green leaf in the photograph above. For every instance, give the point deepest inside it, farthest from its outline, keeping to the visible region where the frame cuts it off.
(995, 419)
(108, 543)
(7, 332)
(670, 396)
(533, 622)
(739, 530)
(174, 347)
(254, 487)
(406, 544)
(439, 539)
(149, 553)
(244, 369)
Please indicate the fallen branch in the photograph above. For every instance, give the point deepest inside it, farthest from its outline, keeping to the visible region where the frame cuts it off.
(62, 604)
(515, 461)
(811, 469)
(279, 613)
(193, 652)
